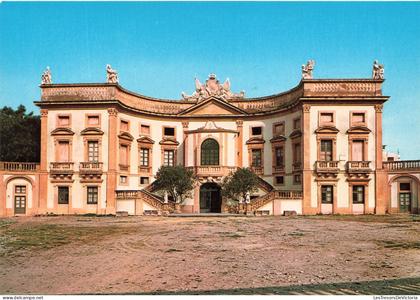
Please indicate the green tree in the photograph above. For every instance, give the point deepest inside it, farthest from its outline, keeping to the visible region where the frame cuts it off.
(238, 184)
(177, 181)
(20, 134)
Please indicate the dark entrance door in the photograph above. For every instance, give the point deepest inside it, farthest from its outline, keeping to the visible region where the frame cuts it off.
(405, 202)
(210, 198)
(20, 204)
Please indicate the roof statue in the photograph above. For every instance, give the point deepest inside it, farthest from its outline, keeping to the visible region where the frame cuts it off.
(212, 87)
(307, 69)
(377, 70)
(111, 75)
(46, 76)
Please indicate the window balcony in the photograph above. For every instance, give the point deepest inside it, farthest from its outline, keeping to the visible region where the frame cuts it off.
(61, 168)
(327, 167)
(278, 169)
(297, 166)
(402, 165)
(258, 170)
(145, 169)
(358, 168)
(124, 168)
(212, 171)
(90, 169)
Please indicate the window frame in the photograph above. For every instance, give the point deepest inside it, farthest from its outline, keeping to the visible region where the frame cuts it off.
(212, 156)
(92, 195)
(59, 200)
(325, 192)
(356, 193)
(166, 160)
(260, 151)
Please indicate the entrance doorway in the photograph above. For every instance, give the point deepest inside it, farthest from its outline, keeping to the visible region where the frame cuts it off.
(210, 198)
(405, 202)
(20, 205)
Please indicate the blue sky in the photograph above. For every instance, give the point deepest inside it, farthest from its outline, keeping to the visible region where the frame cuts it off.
(158, 48)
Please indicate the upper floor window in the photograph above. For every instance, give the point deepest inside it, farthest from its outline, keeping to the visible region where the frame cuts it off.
(357, 151)
(296, 123)
(144, 129)
(20, 189)
(279, 152)
(256, 130)
(169, 158)
(93, 121)
(405, 186)
(144, 157)
(256, 158)
(124, 155)
(63, 121)
(124, 126)
(93, 151)
(278, 129)
(63, 151)
(358, 118)
(169, 131)
(326, 150)
(296, 152)
(358, 194)
(209, 152)
(326, 118)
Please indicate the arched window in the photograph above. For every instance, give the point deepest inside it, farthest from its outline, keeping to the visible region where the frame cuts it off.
(209, 152)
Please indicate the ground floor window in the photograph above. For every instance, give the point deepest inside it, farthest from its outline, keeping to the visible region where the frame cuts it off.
(63, 195)
(123, 179)
(358, 194)
(92, 195)
(327, 194)
(144, 180)
(297, 179)
(279, 179)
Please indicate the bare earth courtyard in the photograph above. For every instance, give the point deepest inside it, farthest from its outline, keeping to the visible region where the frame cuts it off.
(82, 254)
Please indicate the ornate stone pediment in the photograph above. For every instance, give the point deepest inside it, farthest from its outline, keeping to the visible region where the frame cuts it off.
(212, 87)
(213, 106)
(62, 131)
(327, 129)
(91, 131)
(295, 133)
(169, 142)
(126, 136)
(255, 140)
(279, 138)
(358, 130)
(145, 140)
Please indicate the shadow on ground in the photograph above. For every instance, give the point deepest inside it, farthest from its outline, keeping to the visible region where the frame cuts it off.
(402, 286)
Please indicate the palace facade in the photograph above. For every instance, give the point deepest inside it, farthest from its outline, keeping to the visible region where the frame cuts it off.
(317, 149)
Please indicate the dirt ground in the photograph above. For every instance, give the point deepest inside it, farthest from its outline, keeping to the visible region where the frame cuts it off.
(80, 254)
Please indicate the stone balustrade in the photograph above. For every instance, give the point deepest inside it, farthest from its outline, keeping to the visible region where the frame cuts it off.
(19, 166)
(402, 165)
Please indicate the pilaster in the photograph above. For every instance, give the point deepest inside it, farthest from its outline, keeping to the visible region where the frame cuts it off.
(43, 174)
(381, 195)
(307, 173)
(111, 179)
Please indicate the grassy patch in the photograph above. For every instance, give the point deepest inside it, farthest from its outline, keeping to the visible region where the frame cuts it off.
(46, 236)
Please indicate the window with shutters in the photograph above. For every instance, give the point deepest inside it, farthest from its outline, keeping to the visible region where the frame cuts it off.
(358, 150)
(63, 151)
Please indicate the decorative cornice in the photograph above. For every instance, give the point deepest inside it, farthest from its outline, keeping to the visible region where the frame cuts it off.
(145, 140)
(255, 140)
(358, 130)
(169, 142)
(211, 126)
(327, 129)
(279, 138)
(295, 133)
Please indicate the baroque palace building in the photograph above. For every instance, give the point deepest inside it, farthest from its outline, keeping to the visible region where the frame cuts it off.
(317, 149)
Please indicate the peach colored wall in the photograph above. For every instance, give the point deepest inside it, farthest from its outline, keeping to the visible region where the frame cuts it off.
(9, 191)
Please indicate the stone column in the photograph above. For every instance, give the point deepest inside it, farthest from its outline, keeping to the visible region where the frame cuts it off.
(111, 178)
(306, 152)
(43, 168)
(239, 143)
(381, 184)
(185, 139)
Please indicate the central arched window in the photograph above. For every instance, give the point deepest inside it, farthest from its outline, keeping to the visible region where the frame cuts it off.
(210, 152)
